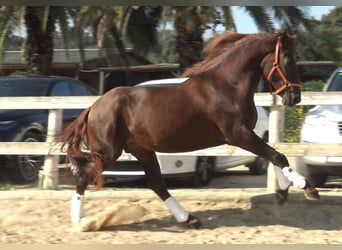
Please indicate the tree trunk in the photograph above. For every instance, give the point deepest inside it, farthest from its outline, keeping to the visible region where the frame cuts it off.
(189, 41)
(39, 40)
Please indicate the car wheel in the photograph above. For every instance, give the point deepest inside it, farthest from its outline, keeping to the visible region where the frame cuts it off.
(204, 172)
(26, 167)
(259, 166)
(314, 174)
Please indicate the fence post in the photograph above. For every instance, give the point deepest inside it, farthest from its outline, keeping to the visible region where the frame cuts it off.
(49, 175)
(275, 135)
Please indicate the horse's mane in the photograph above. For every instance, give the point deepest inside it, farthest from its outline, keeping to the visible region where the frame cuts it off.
(218, 49)
(222, 42)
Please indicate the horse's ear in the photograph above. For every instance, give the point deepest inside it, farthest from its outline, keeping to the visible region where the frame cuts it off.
(282, 36)
(285, 37)
(293, 37)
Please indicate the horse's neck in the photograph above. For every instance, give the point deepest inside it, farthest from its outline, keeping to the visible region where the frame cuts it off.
(246, 69)
(240, 72)
(244, 76)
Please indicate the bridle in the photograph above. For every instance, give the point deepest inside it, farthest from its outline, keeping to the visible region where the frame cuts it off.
(275, 68)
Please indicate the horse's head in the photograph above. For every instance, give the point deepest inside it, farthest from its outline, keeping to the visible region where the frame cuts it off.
(280, 70)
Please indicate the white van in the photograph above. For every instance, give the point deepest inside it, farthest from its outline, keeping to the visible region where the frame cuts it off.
(322, 124)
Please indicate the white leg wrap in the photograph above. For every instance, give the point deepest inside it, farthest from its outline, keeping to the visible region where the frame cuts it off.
(293, 176)
(77, 211)
(73, 169)
(176, 209)
(283, 181)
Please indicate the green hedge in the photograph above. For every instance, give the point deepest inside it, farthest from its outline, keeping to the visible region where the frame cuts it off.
(294, 116)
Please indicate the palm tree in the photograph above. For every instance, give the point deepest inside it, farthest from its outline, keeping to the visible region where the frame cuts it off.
(8, 23)
(191, 22)
(189, 27)
(40, 26)
(289, 18)
(116, 26)
(39, 22)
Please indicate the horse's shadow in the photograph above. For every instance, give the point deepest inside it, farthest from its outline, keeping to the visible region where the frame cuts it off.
(263, 211)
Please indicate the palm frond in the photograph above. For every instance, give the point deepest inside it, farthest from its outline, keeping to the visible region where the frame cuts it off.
(119, 44)
(142, 28)
(20, 16)
(24, 51)
(122, 16)
(228, 18)
(290, 17)
(5, 24)
(45, 17)
(79, 25)
(104, 25)
(167, 16)
(262, 18)
(62, 17)
(4, 29)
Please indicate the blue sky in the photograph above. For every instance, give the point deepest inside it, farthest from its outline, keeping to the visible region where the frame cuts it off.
(248, 26)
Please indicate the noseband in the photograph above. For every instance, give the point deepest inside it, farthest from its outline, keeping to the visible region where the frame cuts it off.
(275, 68)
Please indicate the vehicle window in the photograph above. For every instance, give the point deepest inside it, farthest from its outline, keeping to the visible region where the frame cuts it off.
(60, 89)
(78, 89)
(22, 88)
(336, 83)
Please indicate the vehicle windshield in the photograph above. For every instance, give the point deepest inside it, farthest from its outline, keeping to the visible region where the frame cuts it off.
(336, 83)
(27, 88)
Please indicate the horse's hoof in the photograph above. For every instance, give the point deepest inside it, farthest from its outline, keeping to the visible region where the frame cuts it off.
(281, 196)
(193, 222)
(311, 194)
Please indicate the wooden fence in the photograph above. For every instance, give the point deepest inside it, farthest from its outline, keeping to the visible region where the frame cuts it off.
(55, 105)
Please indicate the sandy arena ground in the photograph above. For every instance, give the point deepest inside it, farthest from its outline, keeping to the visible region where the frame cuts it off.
(229, 214)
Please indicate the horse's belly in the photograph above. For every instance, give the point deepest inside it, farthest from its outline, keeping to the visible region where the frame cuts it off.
(186, 139)
(178, 145)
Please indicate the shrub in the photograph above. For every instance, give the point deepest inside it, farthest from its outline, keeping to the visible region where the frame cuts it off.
(294, 116)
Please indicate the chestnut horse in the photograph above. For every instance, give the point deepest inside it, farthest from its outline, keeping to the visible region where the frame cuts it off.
(214, 106)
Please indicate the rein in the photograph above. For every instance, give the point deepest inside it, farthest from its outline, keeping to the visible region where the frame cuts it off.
(286, 83)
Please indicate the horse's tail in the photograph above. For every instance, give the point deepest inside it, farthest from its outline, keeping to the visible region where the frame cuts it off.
(75, 144)
(74, 136)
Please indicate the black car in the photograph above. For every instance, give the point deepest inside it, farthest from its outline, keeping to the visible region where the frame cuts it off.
(30, 125)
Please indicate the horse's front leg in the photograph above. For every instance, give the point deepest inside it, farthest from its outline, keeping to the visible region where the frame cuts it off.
(248, 140)
(285, 174)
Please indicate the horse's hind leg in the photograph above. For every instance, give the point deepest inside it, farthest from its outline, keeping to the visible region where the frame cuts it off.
(79, 168)
(86, 172)
(157, 184)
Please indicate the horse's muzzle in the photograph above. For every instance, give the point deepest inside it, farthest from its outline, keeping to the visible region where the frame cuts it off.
(291, 99)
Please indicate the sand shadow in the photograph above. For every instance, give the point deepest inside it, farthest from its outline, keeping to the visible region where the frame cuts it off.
(264, 211)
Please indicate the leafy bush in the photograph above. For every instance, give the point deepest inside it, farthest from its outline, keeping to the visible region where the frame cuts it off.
(294, 116)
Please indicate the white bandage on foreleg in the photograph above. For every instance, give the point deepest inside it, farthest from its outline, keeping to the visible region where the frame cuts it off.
(283, 181)
(293, 176)
(77, 210)
(176, 209)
